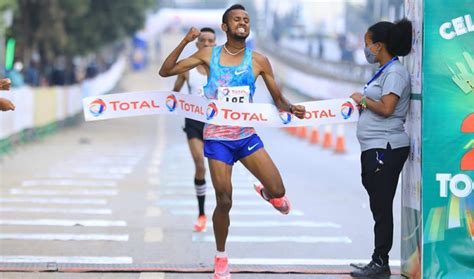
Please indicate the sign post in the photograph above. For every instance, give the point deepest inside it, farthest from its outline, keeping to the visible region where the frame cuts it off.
(438, 192)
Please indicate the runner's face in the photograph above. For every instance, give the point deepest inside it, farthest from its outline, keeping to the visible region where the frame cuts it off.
(206, 39)
(238, 24)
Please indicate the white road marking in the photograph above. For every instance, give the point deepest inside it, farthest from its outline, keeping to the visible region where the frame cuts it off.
(91, 211)
(59, 200)
(85, 192)
(270, 239)
(152, 275)
(69, 175)
(68, 182)
(64, 223)
(282, 261)
(74, 259)
(100, 170)
(109, 163)
(271, 224)
(151, 196)
(268, 212)
(153, 212)
(192, 192)
(179, 185)
(154, 235)
(153, 170)
(188, 202)
(65, 237)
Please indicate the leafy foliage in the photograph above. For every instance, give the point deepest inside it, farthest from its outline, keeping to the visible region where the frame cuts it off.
(75, 27)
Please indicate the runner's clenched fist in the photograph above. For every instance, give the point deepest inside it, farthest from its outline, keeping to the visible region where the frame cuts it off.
(193, 33)
(298, 111)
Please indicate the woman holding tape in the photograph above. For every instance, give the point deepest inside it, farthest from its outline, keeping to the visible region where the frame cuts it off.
(381, 134)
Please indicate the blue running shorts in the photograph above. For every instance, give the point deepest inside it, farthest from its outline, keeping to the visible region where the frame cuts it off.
(230, 151)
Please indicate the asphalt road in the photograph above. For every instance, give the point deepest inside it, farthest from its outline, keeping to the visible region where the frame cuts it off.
(121, 192)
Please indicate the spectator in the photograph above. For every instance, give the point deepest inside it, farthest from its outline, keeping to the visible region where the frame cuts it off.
(32, 75)
(58, 74)
(15, 75)
(320, 45)
(91, 70)
(346, 53)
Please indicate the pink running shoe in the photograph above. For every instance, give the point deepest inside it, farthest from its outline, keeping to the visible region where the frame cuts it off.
(281, 204)
(221, 268)
(200, 225)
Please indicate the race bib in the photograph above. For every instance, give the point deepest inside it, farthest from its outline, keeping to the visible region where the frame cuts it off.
(235, 94)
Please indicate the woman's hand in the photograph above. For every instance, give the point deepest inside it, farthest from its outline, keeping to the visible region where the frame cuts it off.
(357, 97)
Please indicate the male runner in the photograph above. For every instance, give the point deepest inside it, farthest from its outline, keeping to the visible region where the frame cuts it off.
(229, 66)
(196, 79)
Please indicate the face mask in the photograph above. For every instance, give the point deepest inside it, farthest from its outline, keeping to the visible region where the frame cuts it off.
(371, 57)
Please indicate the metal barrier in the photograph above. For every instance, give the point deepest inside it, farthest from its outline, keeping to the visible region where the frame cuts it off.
(41, 110)
(338, 71)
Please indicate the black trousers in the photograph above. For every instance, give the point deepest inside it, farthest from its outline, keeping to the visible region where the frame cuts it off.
(380, 172)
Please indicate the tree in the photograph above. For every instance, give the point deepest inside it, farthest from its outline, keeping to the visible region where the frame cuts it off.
(6, 8)
(104, 22)
(71, 27)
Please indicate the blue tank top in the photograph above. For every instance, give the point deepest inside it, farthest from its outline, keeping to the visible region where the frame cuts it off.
(228, 76)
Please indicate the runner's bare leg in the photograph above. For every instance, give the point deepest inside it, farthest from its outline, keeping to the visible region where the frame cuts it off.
(262, 167)
(221, 174)
(196, 146)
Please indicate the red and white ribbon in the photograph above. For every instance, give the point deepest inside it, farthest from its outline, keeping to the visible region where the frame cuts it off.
(216, 112)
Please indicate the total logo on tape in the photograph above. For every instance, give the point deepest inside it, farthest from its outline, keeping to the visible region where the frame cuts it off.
(171, 102)
(347, 109)
(285, 117)
(98, 106)
(190, 107)
(230, 114)
(211, 111)
(216, 112)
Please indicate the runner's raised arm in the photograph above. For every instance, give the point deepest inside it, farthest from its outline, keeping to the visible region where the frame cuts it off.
(170, 67)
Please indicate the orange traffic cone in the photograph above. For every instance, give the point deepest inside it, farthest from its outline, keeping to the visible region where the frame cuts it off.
(302, 132)
(291, 130)
(327, 137)
(340, 142)
(314, 139)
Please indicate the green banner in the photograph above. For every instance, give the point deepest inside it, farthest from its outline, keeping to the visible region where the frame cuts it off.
(448, 139)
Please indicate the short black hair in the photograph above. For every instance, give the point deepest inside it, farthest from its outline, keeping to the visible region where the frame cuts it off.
(233, 7)
(208, 29)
